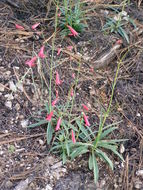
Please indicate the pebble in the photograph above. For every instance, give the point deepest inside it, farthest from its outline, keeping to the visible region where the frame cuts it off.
(1, 88)
(139, 173)
(41, 142)
(57, 165)
(138, 185)
(12, 86)
(24, 123)
(48, 187)
(8, 104)
(122, 149)
(8, 184)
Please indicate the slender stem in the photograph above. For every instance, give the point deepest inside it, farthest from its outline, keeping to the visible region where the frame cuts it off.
(109, 106)
(51, 65)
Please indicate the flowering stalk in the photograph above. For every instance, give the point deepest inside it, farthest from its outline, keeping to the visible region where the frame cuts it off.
(85, 107)
(86, 120)
(58, 124)
(19, 27)
(34, 26)
(31, 62)
(41, 52)
(49, 116)
(73, 137)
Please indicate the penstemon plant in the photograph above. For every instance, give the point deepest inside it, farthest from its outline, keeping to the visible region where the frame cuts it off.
(71, 134)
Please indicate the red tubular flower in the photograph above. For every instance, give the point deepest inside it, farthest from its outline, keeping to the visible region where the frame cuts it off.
(70, 48)
(86, 120)
(31, 62)
(73, 137)
(59, 51)
(58, 81)
(73, 75)
(49, 116)
(57, 94)
(55, 102)
(41, 52)
(58, 124)
(73, 32)
(85, 107)
(72, 92)
(19, 27)
(34, 26)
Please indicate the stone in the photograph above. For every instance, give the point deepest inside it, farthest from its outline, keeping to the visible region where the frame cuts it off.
(8, 184)
(1, 88)
(24, 123)
(8, 104)
(48, 187)
(12, 86)
(122, 149)
(138, 185)
(57, 165)
(139, 173)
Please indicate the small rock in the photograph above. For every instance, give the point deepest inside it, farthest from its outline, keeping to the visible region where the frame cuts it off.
(1, 88)
(138, 185)
(102, 183)
(24, 123)
(19, 86)
(57, 165)
(23, 185)
(12, 86)
(8, 104)
(48, 187)
(41, 142)
(122, 149)
(8, 184)
(9, 96)
(139, 173)
(17, 106)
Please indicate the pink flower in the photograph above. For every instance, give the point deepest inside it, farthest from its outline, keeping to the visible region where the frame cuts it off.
(85, 107)
(73, 137)
(58, 81)
(119, 41)
(70, 48)
(72, 92)
(58, 124)
(73, 32)
(59, 14)
(59, 51)
(49, 116)
(86, 120)
(73, 75)
(57, 94)
(31, 62)
(41, 52)
(19, 27)
(92, 69)
(54, 102)
(34, 26)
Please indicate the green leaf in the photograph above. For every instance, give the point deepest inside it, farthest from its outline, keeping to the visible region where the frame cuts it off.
(113, 148)
(68, 149)
(123, 33)
(95, 167)
(49, 133)
(108, 131)
(64, 157)
(105, 157)
(90, 162)
(79, 151)
(38, 124)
